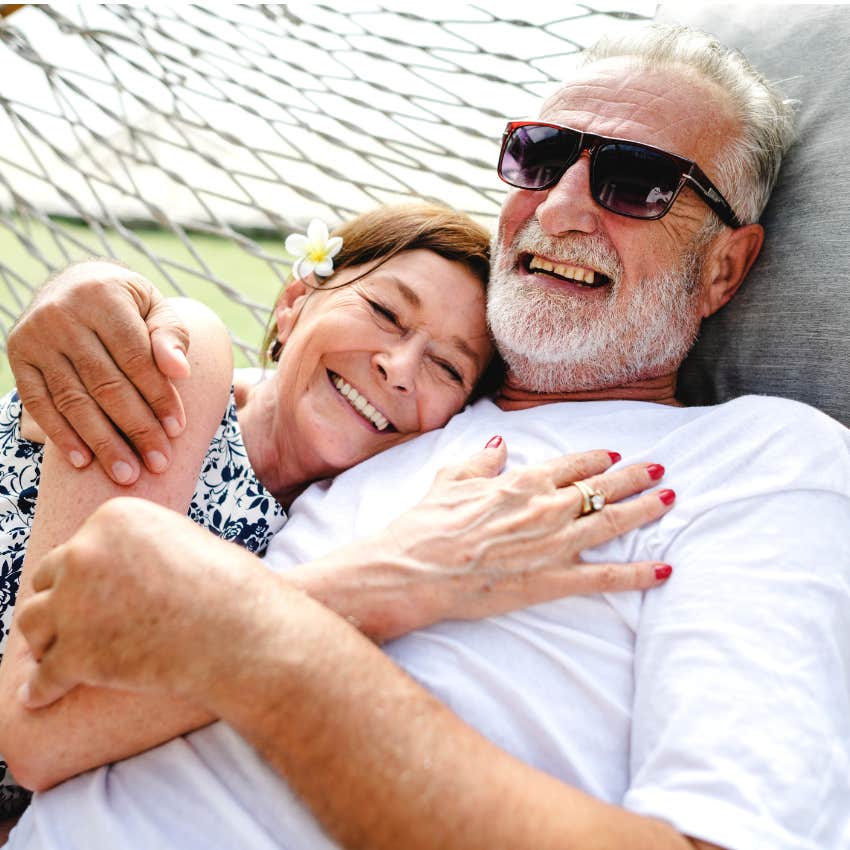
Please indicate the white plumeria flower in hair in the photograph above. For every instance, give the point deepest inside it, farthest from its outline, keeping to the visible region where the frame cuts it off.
(315, 251)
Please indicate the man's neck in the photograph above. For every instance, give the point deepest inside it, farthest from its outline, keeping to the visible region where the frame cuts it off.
(660, 390)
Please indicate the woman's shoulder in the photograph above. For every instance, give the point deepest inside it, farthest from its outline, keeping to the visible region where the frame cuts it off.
(210, 348)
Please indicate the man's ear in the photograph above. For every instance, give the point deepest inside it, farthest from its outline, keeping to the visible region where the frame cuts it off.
(727, 264)
(289, 306)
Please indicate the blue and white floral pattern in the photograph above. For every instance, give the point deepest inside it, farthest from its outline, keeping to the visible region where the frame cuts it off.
(228, 500)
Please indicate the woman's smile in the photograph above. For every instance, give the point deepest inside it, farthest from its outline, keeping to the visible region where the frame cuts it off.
(367, 412)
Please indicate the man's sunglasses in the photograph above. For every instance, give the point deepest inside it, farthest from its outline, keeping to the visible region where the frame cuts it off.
(627, 178)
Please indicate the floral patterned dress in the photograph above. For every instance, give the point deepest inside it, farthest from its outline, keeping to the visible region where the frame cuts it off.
(228, 500)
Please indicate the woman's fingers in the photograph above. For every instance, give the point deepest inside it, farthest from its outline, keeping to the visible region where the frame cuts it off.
(512, 590)
(487, 463)
(585, 579)
(618, 518)
(615, 486)
(566, 469)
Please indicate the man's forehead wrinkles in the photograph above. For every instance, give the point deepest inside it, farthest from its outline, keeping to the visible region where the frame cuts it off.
(632, 108)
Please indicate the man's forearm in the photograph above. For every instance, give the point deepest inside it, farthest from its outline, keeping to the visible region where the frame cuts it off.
(381, 762)
(330, 712)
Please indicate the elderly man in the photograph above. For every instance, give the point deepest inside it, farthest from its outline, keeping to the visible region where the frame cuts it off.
(714, 713)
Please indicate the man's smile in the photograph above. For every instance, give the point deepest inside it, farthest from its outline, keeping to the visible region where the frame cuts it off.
(579, 275)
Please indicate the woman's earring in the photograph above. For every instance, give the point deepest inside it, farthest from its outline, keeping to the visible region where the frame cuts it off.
(274, 350)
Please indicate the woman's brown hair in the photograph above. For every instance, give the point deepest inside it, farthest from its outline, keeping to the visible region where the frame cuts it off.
(376, 236)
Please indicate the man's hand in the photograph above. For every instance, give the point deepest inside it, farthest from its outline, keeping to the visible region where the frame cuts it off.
(137, 599)
(94, 357)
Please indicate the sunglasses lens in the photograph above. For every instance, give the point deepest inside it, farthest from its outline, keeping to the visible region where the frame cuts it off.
(634, 181)
(536, 156)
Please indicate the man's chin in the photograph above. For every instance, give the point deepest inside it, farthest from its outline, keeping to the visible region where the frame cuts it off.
(556, 377)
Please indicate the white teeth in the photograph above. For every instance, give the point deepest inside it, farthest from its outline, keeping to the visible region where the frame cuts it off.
(360, 404)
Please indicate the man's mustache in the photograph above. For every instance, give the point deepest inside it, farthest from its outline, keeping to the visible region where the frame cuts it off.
(578, 249)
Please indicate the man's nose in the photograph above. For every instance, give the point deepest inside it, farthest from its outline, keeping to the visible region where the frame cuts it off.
(398, 364)
(568, 205)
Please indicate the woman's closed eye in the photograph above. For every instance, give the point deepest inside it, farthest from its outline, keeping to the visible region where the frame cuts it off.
(388, 315)
(450, 370)
(384, 312)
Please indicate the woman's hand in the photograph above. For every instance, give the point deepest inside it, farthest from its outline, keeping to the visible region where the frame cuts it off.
(95, 354)
(481, 543)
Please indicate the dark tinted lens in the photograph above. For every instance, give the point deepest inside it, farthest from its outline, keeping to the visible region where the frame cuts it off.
(634, 181)
(535, 156)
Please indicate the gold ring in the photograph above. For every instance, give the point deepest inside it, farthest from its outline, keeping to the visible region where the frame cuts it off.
(591, 500)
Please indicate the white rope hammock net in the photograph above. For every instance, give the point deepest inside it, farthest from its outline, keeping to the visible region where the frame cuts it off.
(240, 123)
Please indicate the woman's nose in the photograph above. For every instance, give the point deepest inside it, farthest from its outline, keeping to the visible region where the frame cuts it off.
(398, 365)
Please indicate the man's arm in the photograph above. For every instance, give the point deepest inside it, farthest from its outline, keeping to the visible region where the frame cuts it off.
(98, 350)
(383, 764)
(379, 760)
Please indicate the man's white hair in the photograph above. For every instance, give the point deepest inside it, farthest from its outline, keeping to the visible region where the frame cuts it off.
(747, 166)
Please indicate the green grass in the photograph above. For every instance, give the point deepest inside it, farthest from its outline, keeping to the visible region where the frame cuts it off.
(255, 278)
(6, 381)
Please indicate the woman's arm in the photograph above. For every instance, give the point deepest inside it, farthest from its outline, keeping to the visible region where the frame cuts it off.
(91, 726)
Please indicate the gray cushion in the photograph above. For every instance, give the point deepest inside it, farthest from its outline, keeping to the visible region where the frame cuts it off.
(786, 332)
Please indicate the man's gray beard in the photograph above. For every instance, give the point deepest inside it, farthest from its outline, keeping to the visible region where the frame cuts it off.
(558, 341)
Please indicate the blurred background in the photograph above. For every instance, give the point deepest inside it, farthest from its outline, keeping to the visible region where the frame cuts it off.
(188, 142)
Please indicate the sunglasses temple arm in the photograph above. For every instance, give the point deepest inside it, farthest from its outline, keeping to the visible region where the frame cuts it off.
(709, 193)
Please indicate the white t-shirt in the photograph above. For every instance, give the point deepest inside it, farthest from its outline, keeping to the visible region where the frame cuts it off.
(720, 702)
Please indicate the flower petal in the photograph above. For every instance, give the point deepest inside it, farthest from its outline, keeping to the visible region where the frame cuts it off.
(302, 267)
(325, 267)
(333, 246)
(296, 244)
(317, 232)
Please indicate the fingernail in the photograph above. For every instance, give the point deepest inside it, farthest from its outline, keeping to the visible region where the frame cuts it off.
(494, 442)
(78, 459)
(666, 496)
(24, 693)
(616, 457)
(122, 472)
(655, 471)
(663, 571)
(171, 426)
(156, 461)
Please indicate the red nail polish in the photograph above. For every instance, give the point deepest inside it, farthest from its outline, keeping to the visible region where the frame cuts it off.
(663, 571)
(655, 471)
(494, 442)
(616, 457)
(666, 496)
